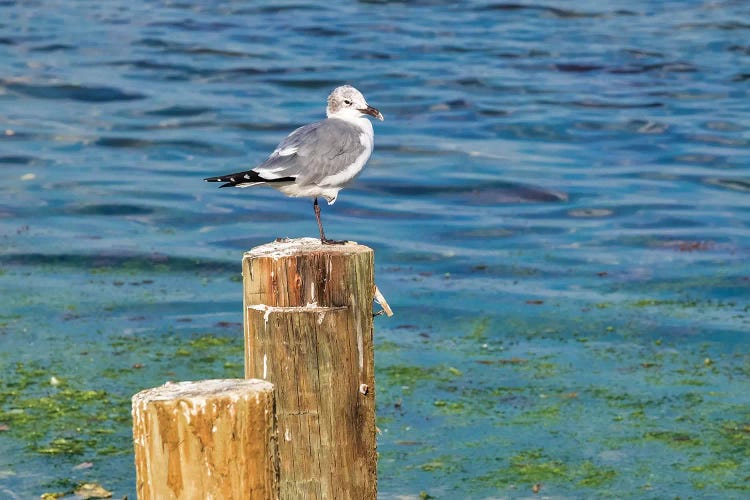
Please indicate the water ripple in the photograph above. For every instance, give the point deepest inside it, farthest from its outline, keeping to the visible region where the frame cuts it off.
(153, 262)
(180, 111)
(193, 25)
(193, 146)
(54, 47)
(81, 93)
(18, 159)
(108, 209)
(488, 194)
(742, 185)
(554, 11)
(171, 46)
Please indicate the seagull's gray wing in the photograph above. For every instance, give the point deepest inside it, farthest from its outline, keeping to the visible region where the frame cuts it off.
(314, 152)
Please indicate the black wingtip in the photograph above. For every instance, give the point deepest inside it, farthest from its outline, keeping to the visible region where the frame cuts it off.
(221, 179)
(247, 178)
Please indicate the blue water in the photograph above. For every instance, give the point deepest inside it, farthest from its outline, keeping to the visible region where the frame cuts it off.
(559, 202)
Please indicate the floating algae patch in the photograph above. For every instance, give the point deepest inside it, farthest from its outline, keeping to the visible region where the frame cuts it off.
(721, 460)
(164, 358)
(65, 446)
(673, 438)
(207, 349)
(479, 329)
(664, 302)
(387, 346)
(623, 414)
(116, 263)
(412, 375)
(534, 466)
(209, 341)
(67, 411)
(442, 463)
(55, 416)
(541, 414)
(727, 473)
(456, 407)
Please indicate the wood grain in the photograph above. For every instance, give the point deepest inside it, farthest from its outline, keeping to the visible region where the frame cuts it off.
(308, 330)
(209, 439)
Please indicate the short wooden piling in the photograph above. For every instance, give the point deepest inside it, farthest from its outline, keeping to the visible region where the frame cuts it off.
(308, 330)
(209, 439)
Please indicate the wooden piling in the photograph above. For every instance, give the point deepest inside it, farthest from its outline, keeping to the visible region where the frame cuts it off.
(308, 330)
(209, 439)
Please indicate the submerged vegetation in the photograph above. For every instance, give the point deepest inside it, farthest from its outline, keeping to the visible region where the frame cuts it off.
(592, 413)
(76, 418)
(539, 407)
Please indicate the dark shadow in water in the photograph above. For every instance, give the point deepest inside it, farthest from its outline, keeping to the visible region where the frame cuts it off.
(730, 184)
(493, 193)
(129, 262)
(555, 11)
(321, 31)
(17, 160)
(109, 209)
(173, 47)
(590, 103)
(179, 111)
(193, 25)
(723, 25)
(273, 9)
(495, 233)
(196, 147)
(53, 47)
(74, 92)
(157, 66)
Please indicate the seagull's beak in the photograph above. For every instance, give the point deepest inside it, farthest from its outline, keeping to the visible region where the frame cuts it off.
(369, 110)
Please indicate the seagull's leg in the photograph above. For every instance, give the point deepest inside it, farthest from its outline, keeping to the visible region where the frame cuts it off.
(323, 238)
(316, 207)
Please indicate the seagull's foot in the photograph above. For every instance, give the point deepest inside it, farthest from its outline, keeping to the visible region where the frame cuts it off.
(326, 241)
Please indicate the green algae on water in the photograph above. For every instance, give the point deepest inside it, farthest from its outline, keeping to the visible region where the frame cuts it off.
(534, 466)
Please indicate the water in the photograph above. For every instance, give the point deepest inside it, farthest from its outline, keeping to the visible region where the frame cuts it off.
(559, 202)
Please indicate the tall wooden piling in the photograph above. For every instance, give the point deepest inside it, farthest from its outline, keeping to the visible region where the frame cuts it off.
(209, 439)
(308, 330)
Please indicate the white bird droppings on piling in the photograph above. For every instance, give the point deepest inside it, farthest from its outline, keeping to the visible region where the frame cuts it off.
(262, 307)
(311, 307)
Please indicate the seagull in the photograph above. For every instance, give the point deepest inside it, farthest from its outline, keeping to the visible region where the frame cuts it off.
(318, 159)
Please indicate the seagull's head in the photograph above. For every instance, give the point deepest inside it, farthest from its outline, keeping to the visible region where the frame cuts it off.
(346, 101)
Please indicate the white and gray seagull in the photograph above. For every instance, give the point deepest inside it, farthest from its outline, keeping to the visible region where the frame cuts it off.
(318, 159)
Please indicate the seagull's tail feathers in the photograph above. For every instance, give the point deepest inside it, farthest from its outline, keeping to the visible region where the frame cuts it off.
(246, 179)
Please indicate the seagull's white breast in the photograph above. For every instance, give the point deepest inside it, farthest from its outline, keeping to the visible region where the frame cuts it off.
(367, 139)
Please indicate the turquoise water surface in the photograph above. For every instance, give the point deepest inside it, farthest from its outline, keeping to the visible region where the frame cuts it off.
(559, 202)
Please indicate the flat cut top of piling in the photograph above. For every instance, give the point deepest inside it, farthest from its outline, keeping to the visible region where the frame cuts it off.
(288, 247)
(234, 388)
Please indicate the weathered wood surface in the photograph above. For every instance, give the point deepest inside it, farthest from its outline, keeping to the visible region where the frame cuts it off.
(308, 330)
(209, 439)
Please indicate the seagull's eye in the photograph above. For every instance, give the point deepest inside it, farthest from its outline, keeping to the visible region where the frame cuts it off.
(347, 102)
